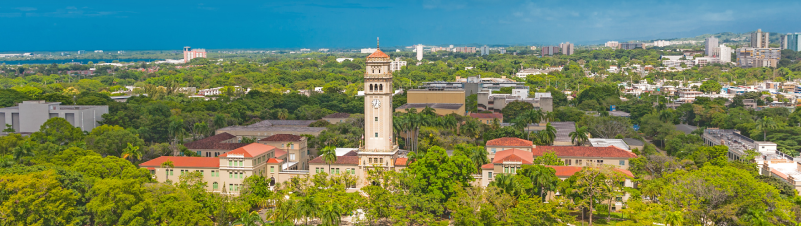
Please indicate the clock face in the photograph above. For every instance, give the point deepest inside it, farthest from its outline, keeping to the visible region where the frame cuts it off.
(376, 103)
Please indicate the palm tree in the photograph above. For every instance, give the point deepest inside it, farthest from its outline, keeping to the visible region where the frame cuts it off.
(550, 133)
(331, 214)
(23, 150)
(428, 111)
(249, 219)
(329, 154)
(307, 208)
(765, 124)
(674, 218)
(535, 116)
(282, 114)
(665, 116)
(579, 137)
(508, 184)
(133, 152)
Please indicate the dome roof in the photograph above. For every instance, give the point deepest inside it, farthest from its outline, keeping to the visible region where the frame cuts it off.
(378, 54)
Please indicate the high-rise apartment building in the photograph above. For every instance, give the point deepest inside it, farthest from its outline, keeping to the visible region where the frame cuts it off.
(724, 52)
(758, 57)
(760, 39)
(502, 50)
(631, 45)
(484, 50)
(567, 48)
(794, 41)
(190, 53)
(710, 44)
(464, 49)
(612, 44)
(549, 50)
(419, 49)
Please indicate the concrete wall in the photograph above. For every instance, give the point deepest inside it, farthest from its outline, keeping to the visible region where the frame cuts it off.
(606, 161)
(441, 97)
(29, 116)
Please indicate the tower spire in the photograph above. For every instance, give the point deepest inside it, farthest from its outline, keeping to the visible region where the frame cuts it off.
(377, 44)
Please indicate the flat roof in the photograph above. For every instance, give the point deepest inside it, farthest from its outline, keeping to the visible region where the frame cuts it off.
(420, 106)
(599, 142)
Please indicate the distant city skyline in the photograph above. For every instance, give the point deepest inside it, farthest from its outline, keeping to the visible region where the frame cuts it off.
(152, 25)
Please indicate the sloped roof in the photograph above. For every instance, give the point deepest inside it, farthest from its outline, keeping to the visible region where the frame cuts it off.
(184, 162)
(567, 171)
(274, 160)
(488, 166)
(401, 161)
(282, 137)
(250, 150)
(279, 152)
(338, 115)
(341, 160)
(513, 155)
(215, 142)
(581, 151)
(487, 115)
(378, 54)
(509, 141)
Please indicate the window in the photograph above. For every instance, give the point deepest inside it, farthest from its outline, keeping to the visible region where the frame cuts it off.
(371, 160)
(622, 162)
(199, 153)
(241, 175)
(230, 162)
(376, 119)
(578, 162)
(514, 170)
(493, 151)
(170, 172)
(489, 175)
(337, 171)
(292, 146)
(376, 134)
(292, 157)
(201, 173)
(353, 171)
(214, 186)
(568, 162)
(599, 162)
(505, 169)
(272, 169)
(230, 175)
(381, 160)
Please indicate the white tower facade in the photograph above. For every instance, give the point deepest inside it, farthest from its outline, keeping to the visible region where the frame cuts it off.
(725, 53)
(419, 49)
(378, 104)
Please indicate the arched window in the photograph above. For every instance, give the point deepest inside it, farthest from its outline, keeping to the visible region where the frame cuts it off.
(215, 186)
(371, 160)
(381, 87)
(371, 87)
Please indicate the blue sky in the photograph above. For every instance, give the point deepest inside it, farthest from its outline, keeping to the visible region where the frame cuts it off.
(171, 24)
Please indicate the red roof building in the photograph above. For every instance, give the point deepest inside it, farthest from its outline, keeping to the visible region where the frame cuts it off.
(487, 118)
(250, 150)
(513, 155)
(585, 152)
(183, 162)
(510, 142)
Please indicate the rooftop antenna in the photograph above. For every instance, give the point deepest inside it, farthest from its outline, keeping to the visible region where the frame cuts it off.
(377, 46)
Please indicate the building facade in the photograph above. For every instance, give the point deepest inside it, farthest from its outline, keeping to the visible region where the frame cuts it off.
(28, 116)
(399, 64)
(190, 53)
(549, 50)
(567, 48)
(484, 50)
(419, 49)
(631, 45)
(794, 41)
(758, 57)
(760, 39)
(709, 46)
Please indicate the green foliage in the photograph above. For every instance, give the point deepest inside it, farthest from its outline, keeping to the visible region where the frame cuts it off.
(57, 131)
(515, 109)
(711, 86)
(38, 199)
(438, 174)
(549, 158)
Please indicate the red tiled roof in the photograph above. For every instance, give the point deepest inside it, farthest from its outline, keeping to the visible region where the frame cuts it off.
(780, 174)
(274, 160)
(250, 150)
(341, 160)
(150, 168)
(567, 171)
(378, 54)
(282, 137)
(581, 151)
(401, 161)
(509, 141)
(279, 152)
(214, 142)
(487, 115)
(513, 155)
(488, 166)
(184, 162)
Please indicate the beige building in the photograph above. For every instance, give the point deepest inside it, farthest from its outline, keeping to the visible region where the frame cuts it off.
(297, 153)
(443, 101)
(589, 156)
(214, 146)
(487, 118)
(505, 143)
(337, 118)
(225, 173)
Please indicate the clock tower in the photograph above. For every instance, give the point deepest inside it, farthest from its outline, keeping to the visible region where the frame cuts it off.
(379, 148)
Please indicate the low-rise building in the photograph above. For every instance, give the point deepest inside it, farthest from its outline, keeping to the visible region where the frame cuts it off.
(487, 118)
(589, 156)
(505, 143)
(28, 116)
(296, 149)
(488, 101)
(216, 145)
(268, 128)
(443, 101)
(337, 118)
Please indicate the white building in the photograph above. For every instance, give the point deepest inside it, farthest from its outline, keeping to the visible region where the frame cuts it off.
(340, 60)
(710, 44)
(612, 44)
(368, 50)
(724, 53)
(661, 43)
(419, 49)
(396, 65)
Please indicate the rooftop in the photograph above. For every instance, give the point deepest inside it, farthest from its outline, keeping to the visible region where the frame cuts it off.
(599, 142)
(341, 160)
(250, 150)
(215, 142)
(184, 162)
(581, 151)
(282, 137)
(513, 155)
(431, 105)
(338, 115)
(510, 141)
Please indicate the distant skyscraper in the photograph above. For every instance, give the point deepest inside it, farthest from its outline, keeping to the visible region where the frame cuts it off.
(783, 41)
(549, 50)
(748, 57)
(631, 45)
(760, 39)
(190, 53)
(724, 52)
(484, 50)
(419, 49)
(567, 48)
(794, 42)
(710, 44)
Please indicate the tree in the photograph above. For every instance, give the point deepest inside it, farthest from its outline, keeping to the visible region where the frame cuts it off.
(329, 155)
(438, 174)
(542, 178)
(24, 149)
(57, 131)
(117, 202)
(112, 140)
(532, 211)
(710, 86)
(515, 109)
(764, 124)
(607, 126)
(590, 185)
(549, 158)
(133, 152)
(37, 199)
(579, 137)
(249, 219)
